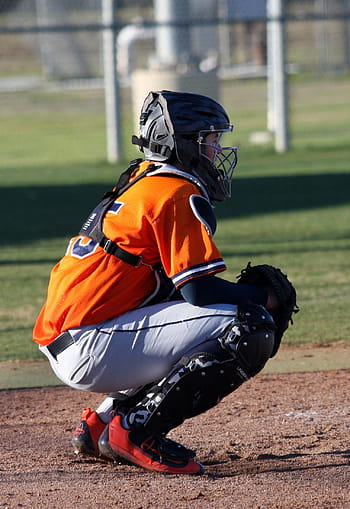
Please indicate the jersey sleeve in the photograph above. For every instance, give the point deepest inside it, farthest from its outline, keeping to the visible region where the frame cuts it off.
(185, 241)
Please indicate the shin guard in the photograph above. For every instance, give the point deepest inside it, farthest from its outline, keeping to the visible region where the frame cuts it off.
(203, 377)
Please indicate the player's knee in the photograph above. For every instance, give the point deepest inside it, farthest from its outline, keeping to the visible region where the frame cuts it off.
(250, 339)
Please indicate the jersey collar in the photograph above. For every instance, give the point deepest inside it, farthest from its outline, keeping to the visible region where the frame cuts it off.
(162, 168)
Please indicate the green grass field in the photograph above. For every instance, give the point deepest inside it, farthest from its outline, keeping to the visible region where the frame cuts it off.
(290, 210)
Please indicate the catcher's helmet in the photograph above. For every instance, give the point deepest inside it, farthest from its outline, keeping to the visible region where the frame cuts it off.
(174, 127)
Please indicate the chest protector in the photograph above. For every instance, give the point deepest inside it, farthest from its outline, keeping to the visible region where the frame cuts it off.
(93, 229)
(93, 226)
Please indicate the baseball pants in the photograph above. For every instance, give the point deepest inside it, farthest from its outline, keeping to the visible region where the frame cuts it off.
(138, 347)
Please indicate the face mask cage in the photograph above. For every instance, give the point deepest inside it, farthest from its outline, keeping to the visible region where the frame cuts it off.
(223, 159)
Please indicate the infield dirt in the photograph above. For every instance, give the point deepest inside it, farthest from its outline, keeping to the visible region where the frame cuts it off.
(281, 441)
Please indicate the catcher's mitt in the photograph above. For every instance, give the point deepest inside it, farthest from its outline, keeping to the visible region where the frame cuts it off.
(272, 277)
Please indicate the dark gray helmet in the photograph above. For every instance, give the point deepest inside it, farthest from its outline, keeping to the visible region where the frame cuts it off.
(174, 127)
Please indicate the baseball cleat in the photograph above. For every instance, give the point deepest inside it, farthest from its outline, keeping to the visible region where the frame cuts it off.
(147, 451)
(86, 434)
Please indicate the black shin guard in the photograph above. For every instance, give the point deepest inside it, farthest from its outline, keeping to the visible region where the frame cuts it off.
(203, 377)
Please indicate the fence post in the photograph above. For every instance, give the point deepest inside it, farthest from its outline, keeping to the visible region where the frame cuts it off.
(111, 85)
(278, 121)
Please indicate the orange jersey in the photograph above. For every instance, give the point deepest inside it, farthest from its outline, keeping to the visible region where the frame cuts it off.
(155, 219)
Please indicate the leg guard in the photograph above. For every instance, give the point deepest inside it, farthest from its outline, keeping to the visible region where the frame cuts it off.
(251, 340)
(207, 374)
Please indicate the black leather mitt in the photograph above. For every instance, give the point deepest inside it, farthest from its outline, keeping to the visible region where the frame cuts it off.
(273, 278)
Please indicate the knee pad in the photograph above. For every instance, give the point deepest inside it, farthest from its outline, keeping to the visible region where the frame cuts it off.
(250, 339)
(201, 379)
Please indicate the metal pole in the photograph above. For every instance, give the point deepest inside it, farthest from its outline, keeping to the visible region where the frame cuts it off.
(111, 86)
(346, 33)
(277, 79)
(224, 34)
(172, 42)
(271, 109)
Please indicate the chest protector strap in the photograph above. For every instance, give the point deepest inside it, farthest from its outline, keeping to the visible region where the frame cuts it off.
(92, 227)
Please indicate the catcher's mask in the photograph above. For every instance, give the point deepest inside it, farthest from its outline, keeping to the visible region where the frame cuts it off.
(175, 127)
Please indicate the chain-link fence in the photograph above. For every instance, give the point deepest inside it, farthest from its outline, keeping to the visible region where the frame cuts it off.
(46, 44)
(47, 39)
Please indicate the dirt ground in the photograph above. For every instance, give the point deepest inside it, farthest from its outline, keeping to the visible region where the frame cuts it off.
(278, 442)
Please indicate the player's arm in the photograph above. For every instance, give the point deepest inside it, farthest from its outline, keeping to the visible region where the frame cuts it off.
(210, 289)
(190, 257)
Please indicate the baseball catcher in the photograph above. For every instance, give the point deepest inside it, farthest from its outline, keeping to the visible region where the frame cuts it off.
(136, 309)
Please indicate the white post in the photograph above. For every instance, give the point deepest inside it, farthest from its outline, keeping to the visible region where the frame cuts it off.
(278, 121)
(172, 42)
(224, 35)
(111, 85)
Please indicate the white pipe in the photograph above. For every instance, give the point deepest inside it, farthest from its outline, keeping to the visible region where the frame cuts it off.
(126, 39)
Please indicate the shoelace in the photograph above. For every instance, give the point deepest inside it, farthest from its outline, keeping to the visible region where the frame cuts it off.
(165, 447)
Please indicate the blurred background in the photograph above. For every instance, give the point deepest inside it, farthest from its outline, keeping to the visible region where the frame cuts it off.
(208, 46)
(73, 74)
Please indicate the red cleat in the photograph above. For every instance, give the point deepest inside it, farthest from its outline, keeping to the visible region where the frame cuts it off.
(148, 451)
(86, 434)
